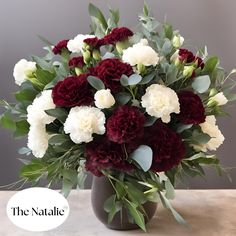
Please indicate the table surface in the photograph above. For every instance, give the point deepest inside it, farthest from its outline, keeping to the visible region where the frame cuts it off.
(209, 213)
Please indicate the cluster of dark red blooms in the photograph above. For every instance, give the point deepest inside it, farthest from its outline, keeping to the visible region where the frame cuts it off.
(125, 129)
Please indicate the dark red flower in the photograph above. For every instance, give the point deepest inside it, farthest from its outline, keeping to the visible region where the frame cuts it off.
(58, 48)
(110, 71)
(167, 146)
(125, 125)
(72, 91)
(94, 43)
(77, 62)
(104, 154)
(192, 110)
(186, 55)
(199, 62)
(118, 35)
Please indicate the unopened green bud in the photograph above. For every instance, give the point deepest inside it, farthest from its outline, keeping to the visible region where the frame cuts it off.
(120, 46)
(188, 71)
(86, 56)
(141, 68)
(213, 92)
(78, 71)
(212, 103)
(177, 41)
(96, 55)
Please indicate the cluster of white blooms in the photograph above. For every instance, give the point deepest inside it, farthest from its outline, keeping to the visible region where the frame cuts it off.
(220, 99)
(76, 45)
(140, 54)
(177, 41)
(84, 121)
(160, 101)
(104, 99)
(37, 118)
(209, 127)
(22, 70)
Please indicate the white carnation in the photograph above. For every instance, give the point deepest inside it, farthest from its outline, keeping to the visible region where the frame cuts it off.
(177, 41)
(140, 53)
(160, 101)
(22, 69)
(209, 127)
(36, 111)
(220, 99)
(104, 99)
(84, 121)
(76, 45)
(38, 140)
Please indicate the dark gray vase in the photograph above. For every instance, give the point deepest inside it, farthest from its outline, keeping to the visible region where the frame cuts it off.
(101, 191)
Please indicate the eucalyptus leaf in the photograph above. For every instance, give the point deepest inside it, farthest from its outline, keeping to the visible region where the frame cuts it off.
(122, 98)
(201, 83)
(143, 156)
(58, 139)
(96, 12)
(210, 64)
(170, 191)
(95, 82)
(183, 127)
(124, 80)
(59, 113)
(134, 79)
(150, 120)
(148, 78)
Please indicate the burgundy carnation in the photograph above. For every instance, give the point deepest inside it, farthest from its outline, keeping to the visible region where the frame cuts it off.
(186, 55)
(72, 91)
(167, 146)
(104, 154)
(200, 62)
(58, 48)
(110, 71)
(118, 35)
(94, 43)
(77, 62)
(192, 110)
(125, 124)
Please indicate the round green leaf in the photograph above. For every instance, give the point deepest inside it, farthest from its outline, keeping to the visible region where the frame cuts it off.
(201, 83)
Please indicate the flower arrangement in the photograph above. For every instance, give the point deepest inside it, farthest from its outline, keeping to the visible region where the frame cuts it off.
(137, 108)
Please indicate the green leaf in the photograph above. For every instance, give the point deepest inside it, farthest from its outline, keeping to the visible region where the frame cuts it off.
(59, 113)
(201, 83)
(167, 204)
(210, 64)
(200, 138)
(182, 127)
(134, 79)
(22, 128)
(7, 122)
(44, 76)
(145, 9)
(124, 80)
(150, 120)
(171, 75)
(67, 186)
(81, 179)
(111, 206)
(143, 156)
(148, 78)
(168, 31)
(135, 194)
(122, 98)
(167, 47)
(59, 139)
(96, 12)
(26, 95)
(95, 82)
(24, 150)
(136, 214)
(33, 171)
(196, 156)
(170, 191)
(44, 40)
(70, 175)
(42, 63)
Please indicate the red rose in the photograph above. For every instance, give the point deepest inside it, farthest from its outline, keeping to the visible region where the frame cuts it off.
(110, 71)
(118, 35)
(192, 110)
(72, 91)
(58, 48)
(104, 154)
(167, 146)
(125, 125)
(186, 55)
(94, 43)
(77, 62)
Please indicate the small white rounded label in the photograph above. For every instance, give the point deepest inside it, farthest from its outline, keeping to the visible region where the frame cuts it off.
(37, 209)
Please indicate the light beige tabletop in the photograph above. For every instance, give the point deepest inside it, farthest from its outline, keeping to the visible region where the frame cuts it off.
(209, 212)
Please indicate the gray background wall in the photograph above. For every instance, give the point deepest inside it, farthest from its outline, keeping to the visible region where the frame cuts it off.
(201, 22)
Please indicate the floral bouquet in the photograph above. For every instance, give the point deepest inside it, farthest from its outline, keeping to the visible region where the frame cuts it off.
(134, 107)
